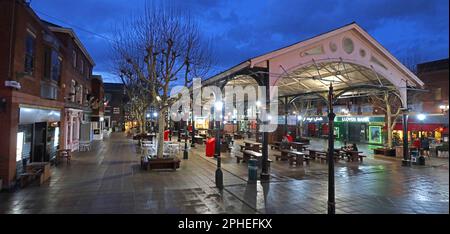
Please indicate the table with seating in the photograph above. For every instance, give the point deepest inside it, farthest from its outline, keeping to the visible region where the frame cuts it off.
(351, 155)
(298, 145)
(294, 156)
(199, 139)
(322, 155)
(253, 145)
(35, 170)
(63, 154)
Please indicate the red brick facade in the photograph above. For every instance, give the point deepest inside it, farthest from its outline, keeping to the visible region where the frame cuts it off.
(38, 89)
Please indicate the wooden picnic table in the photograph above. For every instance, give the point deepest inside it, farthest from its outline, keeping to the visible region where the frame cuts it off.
(198, 139)
(247, 154)
(293, 156)
(298, 145)
(63, 153)
(252, 145)
(321, 154)
(351, 155)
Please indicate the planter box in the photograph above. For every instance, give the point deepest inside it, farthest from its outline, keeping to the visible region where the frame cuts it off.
(385, 152)
(160, 163)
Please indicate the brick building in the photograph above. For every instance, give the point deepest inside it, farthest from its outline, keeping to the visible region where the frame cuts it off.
(76, 88)
(45, 87)
(432, 104)
(115, 112)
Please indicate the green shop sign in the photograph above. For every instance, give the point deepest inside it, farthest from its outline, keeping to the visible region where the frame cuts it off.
(359, 119)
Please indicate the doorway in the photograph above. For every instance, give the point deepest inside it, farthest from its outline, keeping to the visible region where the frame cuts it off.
(40, 136)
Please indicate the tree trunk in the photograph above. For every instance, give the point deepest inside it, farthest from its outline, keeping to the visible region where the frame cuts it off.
(301, 128)
(161, 125)
(389, 122)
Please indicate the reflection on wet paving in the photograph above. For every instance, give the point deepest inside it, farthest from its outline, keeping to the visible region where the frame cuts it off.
(109, 180)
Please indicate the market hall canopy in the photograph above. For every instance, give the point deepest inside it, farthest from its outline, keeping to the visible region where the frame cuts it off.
(348, 57)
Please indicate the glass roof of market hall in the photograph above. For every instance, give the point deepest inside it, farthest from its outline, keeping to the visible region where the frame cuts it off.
(348, 57)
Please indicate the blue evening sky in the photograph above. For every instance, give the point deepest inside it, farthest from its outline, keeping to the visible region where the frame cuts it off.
(243, 29)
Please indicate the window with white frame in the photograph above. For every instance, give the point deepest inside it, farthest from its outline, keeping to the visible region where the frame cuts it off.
(80, 94)
(73, 90)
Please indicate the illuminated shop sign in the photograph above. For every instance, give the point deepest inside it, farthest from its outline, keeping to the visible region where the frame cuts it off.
(355, 119)
(359, 119)
(314, 119)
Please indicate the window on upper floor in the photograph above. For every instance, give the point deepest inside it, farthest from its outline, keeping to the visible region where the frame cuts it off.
(30, 44)
(56, 67)
(88, 72)
(74, 58)
(82, 66)
(80, 94)
(52, 65)
(73, 90)
(47, 61)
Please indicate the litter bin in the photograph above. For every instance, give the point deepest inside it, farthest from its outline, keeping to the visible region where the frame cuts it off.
(166, 135)
(252, 169)
(414, 156)
(210, 147)
(421, 160)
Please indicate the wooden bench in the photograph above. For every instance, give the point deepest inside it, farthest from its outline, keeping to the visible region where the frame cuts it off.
(239, 158)
(275, 145)
(361, 157)
(322, 158)
(298, 160)
(28, 177)
(249, 154)
(277, 157)
(162, 163)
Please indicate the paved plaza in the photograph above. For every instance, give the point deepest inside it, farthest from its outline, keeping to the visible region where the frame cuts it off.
(108, 179)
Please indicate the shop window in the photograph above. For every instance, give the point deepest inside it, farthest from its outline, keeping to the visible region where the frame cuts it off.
(30, 43)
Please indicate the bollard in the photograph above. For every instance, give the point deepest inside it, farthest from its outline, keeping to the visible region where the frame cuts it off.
(252, 169)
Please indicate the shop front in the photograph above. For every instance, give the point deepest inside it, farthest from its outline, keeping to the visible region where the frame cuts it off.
(363, 129)
(314, 126)
(72, 128)
(97, 125)
(433, 127)
(37, 136)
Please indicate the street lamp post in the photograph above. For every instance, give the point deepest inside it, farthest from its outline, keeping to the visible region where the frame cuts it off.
(258, 105)
(405, 162)
(219, 175)
(331, 188)
(185, 151)
(179, 130)
(421, 118)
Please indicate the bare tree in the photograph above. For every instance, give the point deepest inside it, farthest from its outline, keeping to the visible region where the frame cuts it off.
(411, 58)
(138, 95)
(160, 47)
(390, 103)
(305, 109)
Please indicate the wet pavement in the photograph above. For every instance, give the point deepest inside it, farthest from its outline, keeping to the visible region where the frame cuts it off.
(108, 179)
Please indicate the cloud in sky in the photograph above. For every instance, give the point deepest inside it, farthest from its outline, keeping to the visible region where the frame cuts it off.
(243, 29)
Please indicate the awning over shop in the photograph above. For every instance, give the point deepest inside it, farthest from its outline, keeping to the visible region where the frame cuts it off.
(29, 115)
(421, 127)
